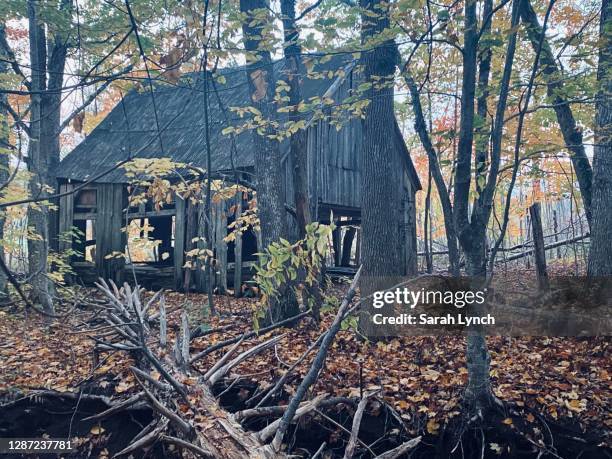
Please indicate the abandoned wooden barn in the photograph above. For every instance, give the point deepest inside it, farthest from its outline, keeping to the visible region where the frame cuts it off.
(100, 209)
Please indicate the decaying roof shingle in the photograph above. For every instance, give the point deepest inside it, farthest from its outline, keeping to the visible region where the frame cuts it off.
(130, 129)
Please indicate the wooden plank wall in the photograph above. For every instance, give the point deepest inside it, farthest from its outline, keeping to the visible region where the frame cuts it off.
(111, 202)
(219, 217)
(179, 242)
(66, 216)
(237, 284)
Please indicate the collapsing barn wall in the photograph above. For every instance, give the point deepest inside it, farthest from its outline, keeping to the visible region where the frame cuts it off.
(98, 212)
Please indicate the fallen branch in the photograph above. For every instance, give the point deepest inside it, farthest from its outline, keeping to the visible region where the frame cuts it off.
(248, 335)
(199, 332)
(401, 449)
(287, 373)
(218, 374)
(317, 364)
(264, 434)
(145, 440)
(144, 375)
(182, 425)
(190, 446)
(222, 361)
(280, 409)
(117, 408)
(352, 444)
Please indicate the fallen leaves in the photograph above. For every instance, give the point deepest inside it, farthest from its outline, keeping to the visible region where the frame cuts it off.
(432, 427)
(419, 376)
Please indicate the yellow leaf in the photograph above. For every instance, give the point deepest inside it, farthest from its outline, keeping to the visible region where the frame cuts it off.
(97, 430)
(507, 421)
(432, 427)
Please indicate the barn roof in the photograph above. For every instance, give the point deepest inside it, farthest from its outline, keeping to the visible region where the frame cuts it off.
(130, 129)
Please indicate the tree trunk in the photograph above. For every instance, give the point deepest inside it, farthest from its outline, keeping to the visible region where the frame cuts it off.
(478, 397)
(600, 256)
(426, 226)
(38, 248)
(268, 170)
(447, 208)
(51, 103)
(472, 235)
(572, 135)
(298, 144)
(539, 248)
(5, 152)
(380, 202)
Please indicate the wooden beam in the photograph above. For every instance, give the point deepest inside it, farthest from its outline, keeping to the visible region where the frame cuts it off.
(152, 213)
(66, 217)
(220, 220)
(179, 241)
(238, 250)
(110, 239)
(540, 251)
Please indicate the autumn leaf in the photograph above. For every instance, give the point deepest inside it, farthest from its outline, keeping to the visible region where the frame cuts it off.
(97, 430)
(432, 426)
(260, 83)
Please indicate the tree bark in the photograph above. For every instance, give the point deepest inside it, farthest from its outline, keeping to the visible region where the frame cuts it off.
(600, 256)
(572, 134)
(51, 103)
(38, 243)
(380, 201)
(298, 145)
(483, 126)
(5, 152)
(539, 247)
(268, 170)
(472, 235)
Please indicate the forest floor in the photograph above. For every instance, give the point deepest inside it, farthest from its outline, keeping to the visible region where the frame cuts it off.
(563, 384)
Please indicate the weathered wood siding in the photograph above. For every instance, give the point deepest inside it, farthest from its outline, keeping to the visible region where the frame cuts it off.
(66, 216)
(408, 229)
(111, 202)
(179, 241)
(333, 161)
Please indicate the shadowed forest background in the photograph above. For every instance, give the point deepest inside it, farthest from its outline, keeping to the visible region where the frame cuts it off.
(199, 199)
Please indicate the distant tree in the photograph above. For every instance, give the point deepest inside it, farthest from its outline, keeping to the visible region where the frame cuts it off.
(572, 133)
(600, 255)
